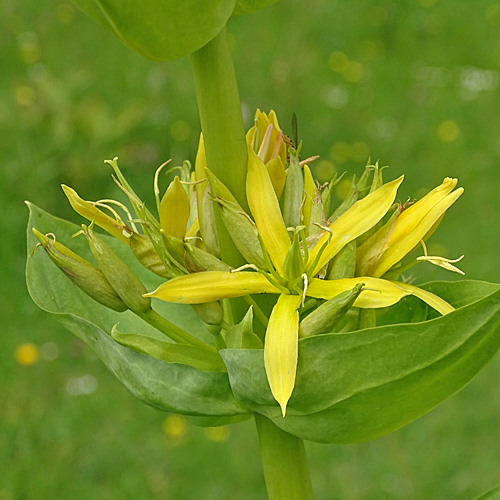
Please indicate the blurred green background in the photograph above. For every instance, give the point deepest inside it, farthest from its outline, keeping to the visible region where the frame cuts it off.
(414, 83)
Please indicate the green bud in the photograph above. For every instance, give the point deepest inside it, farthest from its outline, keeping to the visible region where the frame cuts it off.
(197, 260)
(126, 284)
(294, 191)
(208, 226)
(359, 188)
(83, 274)
(243, 232)
(375, 245)
(175, 249)
(327, 316)
(146, 254)
(242, 336)
(239, 225)
(210, 313)
(294, 264)
(317, 215)
(344, 263)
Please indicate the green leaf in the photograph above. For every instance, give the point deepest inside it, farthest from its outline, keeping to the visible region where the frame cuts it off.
(354, 387)
(248, 6)
(493, 494)
(168, 386)
(241, 336)
(161, 30)
(168, 351)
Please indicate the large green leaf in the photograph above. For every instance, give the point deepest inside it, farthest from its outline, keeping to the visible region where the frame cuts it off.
(354, 387)
(493, 494)
(167, 386)
(163, 29)
(247, 6)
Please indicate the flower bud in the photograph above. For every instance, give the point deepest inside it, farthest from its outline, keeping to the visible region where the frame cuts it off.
(327, 316)
(83, 274)
(197, 260)
(125, 283)
(208, 225)
(294, 189)
(344, 263)
(243, 232)
(174, 210)
(317, 218)
(239, 225)
(294, 265)
(146, 254)
(210, 313)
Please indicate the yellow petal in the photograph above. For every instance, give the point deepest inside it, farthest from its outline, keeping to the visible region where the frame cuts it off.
(207, 286)
(361, 217)
(174, 210)
(276, 130)
(409, 240)
(199, 169)
(434, 301)
(281, 348)
(376, 293)
(277, 174)
(310, 189)
(266, 211)
(91, 213)
(411, 216)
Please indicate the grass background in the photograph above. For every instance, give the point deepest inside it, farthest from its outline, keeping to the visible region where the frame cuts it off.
(414, 83)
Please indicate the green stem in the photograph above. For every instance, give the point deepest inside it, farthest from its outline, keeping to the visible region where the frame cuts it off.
(223, 134)
(367, 318)
(171, 331)
(284, 463)
(220, 114)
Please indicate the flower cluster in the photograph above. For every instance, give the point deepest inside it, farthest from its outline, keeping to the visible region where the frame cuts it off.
(318, 268)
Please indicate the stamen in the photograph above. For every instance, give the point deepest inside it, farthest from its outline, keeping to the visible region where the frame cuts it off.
(156, 189)
(128, 193)
(308, 160)
(304, 276)
(103, 205)
(193, 183)
(441, 261)
(242, 268)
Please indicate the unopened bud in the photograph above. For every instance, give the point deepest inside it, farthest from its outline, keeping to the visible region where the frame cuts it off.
(243, 232)
(146, 254)
(294, 264)
(294, 189)
(317, 218)
(125, 283)
(344, 263)
(210, 313)
(197, 260)
(327, 316)
(83, 274)
(208, 226)
(175, 210)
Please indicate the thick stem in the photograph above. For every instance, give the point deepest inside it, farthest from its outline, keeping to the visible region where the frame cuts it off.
(284, 462)
(223, 134)
(220, 114)
(367, 318)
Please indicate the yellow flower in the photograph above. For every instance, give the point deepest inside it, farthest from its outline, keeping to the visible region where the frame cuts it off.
(292, 270)
(406, 230)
